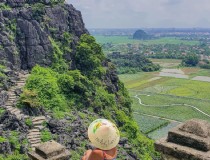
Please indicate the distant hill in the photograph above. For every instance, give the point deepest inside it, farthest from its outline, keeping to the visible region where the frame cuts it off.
(141, 35)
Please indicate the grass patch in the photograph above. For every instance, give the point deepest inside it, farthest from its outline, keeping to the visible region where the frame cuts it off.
(29, 122)
(2, 139)
(46, 136)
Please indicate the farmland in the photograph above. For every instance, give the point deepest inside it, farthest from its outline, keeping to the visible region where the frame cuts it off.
(128, 39)
(163, 99)
(167, 99)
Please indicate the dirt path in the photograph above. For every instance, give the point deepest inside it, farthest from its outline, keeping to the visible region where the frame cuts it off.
(169, 105)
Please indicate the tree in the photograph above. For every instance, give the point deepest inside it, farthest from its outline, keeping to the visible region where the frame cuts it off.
(89, 55)
(190, 60)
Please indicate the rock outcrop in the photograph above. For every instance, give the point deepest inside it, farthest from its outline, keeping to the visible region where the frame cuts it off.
(25, 27)
(188, 141)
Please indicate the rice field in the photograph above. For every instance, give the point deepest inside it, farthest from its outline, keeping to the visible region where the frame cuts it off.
(162, 132)
(164, 92)
(172, 107)
(148, 124)
(128, 39)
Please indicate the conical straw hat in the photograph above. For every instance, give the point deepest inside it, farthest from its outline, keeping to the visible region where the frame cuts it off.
(103, 134)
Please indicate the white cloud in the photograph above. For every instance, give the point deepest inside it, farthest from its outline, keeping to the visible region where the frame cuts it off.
(144, 13)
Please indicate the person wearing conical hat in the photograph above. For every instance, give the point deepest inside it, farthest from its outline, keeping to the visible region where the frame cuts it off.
(105, 136)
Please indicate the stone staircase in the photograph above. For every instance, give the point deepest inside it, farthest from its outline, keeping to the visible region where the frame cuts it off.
(11, 102)
(34, 135)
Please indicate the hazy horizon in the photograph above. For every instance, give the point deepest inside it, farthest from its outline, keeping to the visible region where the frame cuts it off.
(107, 14)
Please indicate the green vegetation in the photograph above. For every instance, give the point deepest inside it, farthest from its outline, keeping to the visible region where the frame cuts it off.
(3, 76)
(2, 111)
(30, 98)
(59, 63)
(15, 145)
(29, 122)
(2, 139)
(132, 63)
(15, 156)
(53, 2)
(89, 57)
(62, 91)
(190, 60)
(172, 107)
(38, 11)
(168, 97)
(46, 135)
(3, 6)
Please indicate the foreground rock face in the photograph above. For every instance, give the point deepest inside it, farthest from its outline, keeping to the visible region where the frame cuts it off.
(25, 29)
(188, 141)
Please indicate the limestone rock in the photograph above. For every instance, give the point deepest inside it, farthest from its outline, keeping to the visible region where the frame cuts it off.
(27, 43)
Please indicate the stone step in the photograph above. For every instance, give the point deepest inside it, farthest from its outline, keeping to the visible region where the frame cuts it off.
(35, 139)
(21, 80)
(20, 85)
(35, 142)
(10, 109)
(38, 118)
(11, 99)
(33, 136)
(8, 103)
(38, 122)
(13, 109)
(19, 116)
(26, 116)
(39, 127)
(33, 130)
(16, 112)
(11, 94)
(34, 145)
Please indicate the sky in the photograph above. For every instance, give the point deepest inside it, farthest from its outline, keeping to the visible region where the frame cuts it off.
(144, 13)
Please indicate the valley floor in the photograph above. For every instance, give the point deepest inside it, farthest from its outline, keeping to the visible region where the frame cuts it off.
(161, 102)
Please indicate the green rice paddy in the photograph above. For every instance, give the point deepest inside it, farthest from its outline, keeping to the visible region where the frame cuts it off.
(167, 91)
(128, 39)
